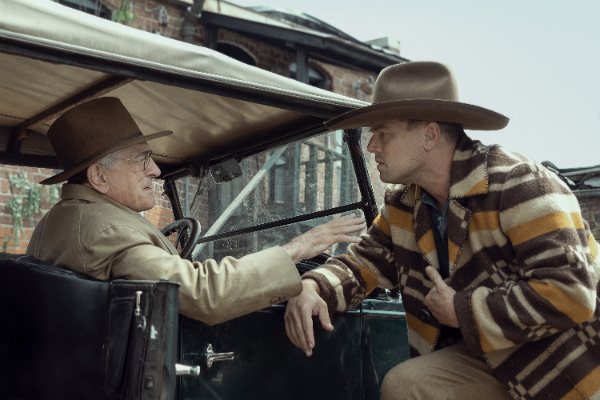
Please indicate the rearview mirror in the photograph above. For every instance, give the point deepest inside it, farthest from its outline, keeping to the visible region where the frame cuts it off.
(226, 171)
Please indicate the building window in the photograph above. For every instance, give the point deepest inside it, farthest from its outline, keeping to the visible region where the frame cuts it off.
(93, 7)
(315, 78)
(236, 53)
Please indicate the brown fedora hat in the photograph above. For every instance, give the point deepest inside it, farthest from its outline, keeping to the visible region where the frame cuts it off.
(419, 90)
(90, 131)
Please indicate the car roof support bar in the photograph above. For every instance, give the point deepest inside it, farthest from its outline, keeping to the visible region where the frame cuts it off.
(369, 206)
(25, 128)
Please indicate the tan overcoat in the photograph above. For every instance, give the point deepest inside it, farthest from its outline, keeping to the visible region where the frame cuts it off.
(89, 233)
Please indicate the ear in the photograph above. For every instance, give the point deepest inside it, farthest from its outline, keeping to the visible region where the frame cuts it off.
(97, 178)
(432, 136)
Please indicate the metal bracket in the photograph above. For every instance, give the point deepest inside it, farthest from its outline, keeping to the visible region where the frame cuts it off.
(210, 356)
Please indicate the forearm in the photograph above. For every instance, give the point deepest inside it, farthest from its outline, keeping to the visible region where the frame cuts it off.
(345, 280)
(213, 292)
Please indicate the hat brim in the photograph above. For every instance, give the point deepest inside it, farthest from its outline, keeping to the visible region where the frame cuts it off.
(470, 116)
(63, 176)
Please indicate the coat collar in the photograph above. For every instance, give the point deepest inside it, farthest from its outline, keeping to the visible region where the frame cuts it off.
(468, 177)
(81, 192)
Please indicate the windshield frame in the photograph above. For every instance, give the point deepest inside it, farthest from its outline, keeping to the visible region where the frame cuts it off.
(366, 204)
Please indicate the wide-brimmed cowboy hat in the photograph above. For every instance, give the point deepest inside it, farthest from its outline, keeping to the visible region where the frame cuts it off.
(86, 133)
(419, 90)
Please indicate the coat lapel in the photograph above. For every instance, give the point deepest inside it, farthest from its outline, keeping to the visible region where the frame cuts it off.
(424, 231)
(469, 177)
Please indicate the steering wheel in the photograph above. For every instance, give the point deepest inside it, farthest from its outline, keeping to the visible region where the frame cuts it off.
(181, 225)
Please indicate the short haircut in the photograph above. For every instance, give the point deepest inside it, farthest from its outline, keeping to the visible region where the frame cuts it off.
(107, 161)
(452, 131)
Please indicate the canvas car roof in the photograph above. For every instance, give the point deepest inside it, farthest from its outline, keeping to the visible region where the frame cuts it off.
(52, 57)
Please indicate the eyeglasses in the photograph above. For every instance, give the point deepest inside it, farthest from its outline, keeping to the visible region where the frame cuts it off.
(145, 160)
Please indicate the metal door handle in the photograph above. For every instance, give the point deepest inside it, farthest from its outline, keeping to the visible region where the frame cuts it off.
(210, 356)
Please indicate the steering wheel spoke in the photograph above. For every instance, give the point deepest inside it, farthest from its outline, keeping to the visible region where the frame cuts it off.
(180, 226)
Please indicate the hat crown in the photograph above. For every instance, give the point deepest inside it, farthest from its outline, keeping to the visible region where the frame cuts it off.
(89, 130)
(416, 80)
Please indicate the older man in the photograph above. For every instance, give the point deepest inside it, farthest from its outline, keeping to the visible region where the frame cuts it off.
(497, 270)
(96, 229)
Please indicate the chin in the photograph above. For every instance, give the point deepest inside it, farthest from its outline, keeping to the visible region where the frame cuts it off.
(149, 207)
(385, 179)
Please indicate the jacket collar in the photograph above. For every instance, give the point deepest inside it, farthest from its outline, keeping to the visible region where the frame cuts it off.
(81, 192)
(468, 177)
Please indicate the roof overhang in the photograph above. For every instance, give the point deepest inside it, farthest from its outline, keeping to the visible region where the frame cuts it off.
(329, 48)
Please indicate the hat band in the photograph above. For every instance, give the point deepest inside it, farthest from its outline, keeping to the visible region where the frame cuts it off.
(107, 148)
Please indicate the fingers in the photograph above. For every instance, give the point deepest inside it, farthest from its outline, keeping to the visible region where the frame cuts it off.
(429, 297)
(346, 224)
(324, 318)
(290, 331)
(338, 229)
(435, 277)
(345, 239)
(298, 316)
(299, 328)
(304, 330)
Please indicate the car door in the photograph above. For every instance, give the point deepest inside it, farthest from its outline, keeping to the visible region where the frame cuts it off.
(274, 197)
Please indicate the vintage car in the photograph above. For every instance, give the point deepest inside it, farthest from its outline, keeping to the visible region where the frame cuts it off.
(249, 157)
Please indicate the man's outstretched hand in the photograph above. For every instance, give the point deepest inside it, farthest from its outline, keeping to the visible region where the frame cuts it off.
(322, 237)
(299, 311)
(298, 316)
(441, 299)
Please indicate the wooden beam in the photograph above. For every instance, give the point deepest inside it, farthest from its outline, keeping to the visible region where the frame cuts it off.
(25, 128)
(302, 65)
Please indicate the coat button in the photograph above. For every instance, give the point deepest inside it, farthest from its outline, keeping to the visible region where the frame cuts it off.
(282, 298)
(424, 315)
(274, 300)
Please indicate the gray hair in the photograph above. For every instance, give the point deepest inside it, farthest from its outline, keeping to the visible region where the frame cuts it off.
(108, 161)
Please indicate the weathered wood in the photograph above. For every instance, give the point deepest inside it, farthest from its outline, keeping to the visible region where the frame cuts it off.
(292, 189)
(328, 195)
(347, 185)
(311, 179)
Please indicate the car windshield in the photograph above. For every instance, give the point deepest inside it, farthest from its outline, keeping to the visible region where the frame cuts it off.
(308, 176)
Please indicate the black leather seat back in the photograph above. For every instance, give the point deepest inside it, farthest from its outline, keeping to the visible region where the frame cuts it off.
(66, 336)
(53, 330)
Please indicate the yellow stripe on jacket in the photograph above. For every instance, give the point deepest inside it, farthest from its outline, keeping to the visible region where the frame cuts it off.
(542, 225)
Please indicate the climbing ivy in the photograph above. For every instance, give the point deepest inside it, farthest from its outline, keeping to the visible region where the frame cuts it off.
(124, 14)
(25, 202)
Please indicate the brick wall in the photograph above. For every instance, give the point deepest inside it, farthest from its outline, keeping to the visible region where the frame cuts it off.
(146, 13)
(268, 57)
(7, 191)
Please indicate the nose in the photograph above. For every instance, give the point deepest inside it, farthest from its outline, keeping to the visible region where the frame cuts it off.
(153, 171)
(374, 145)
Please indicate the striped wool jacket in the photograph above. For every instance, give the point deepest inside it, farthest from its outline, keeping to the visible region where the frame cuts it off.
(522, 261)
